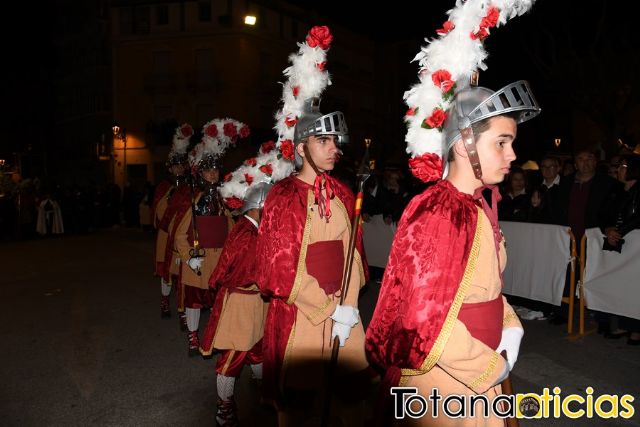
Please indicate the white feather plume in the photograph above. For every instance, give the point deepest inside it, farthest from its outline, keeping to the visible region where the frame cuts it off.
(458, 53)
(306, 78)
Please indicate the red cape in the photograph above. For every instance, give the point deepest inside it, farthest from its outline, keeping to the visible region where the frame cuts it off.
(279, 243)
(160, 191)
(426, 267)
(178, 206)
(236, 268)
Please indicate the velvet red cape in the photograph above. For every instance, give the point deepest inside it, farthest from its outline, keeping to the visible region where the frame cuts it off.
(177, 207)
(160, 191)
(236, 268)
(279, 243)
(426, 265)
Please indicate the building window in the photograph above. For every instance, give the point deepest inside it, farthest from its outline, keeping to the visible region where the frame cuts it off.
(204, 67)
(204, 11)
(162, 14)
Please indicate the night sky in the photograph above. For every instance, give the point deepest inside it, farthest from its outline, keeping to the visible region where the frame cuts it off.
(579, 56)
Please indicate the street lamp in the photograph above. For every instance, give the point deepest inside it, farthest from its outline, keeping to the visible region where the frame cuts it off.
(250, 20)
(121, 134)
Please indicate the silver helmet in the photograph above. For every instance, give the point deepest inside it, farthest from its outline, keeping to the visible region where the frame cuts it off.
(474, 104)
(313, 122)
(255, 196)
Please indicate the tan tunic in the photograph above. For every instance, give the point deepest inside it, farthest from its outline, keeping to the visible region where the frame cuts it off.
(467, 366)
(241, 323)
(182, 246)
(310, 338)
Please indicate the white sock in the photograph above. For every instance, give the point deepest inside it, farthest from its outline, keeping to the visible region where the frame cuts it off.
(165, 288)
(257, 371)
(225, 386)
(193, 319)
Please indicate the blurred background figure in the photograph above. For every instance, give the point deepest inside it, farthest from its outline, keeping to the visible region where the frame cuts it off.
(49, 217)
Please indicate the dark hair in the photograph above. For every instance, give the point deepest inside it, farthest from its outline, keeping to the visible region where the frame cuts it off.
(483, 125)
(633, 167)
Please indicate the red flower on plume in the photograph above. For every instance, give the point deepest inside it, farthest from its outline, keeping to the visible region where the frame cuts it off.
(251, 162)
(295, 90)
(320, 36)
(427, 167)
(267, 147)
(245, 131)
(491, 20)
(266, 169)
(234, 202)
(186, 130)
(320, 65)
(248, 178)
(436, 119)
(228, 177)
(442, 79)
(411, 111)
(290, 122)
(230, 130)
(482, 34)
(447, 27)
(286, 148)
(211, 130)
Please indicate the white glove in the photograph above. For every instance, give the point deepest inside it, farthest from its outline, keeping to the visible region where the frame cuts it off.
(195, 263)
(177, 260)
(346, 314)
(510, 342)
(341, 331)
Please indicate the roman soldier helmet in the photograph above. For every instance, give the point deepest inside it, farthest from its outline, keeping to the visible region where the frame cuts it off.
(217, 136)
(178, 153)
(299, 117)
(255, 196)
(447, 101)
(313, 122)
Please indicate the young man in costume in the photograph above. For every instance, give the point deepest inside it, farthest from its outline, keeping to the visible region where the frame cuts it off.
(302, 246)
(202, 230)
(236, 324)
(441, 321)
(163, 209)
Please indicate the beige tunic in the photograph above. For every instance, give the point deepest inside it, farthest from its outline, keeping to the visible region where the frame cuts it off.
(310, 339)
(467, 366)
(241, 323)
(182, 246)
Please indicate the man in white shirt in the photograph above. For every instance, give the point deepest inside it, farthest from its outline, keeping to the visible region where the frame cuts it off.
(550, 172)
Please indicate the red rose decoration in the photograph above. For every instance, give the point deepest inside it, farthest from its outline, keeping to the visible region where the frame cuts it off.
(320, 65)
(245, 131)
(320, 36)
(286, 148)
(250, 162)
(442, 79)
(491, 20)
(482, 34)
(230, 130)
(446, 28)
(186, 130)
(234, 202)
(290, 122)
(295, 90)
(228, 177)
(211, 130)
(267, 147)
(427, 167)
(248, 178)
(266, 169)
(411, 111)
(437, 118)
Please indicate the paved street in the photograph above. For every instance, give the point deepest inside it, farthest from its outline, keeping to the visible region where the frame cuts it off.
(83, 344)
